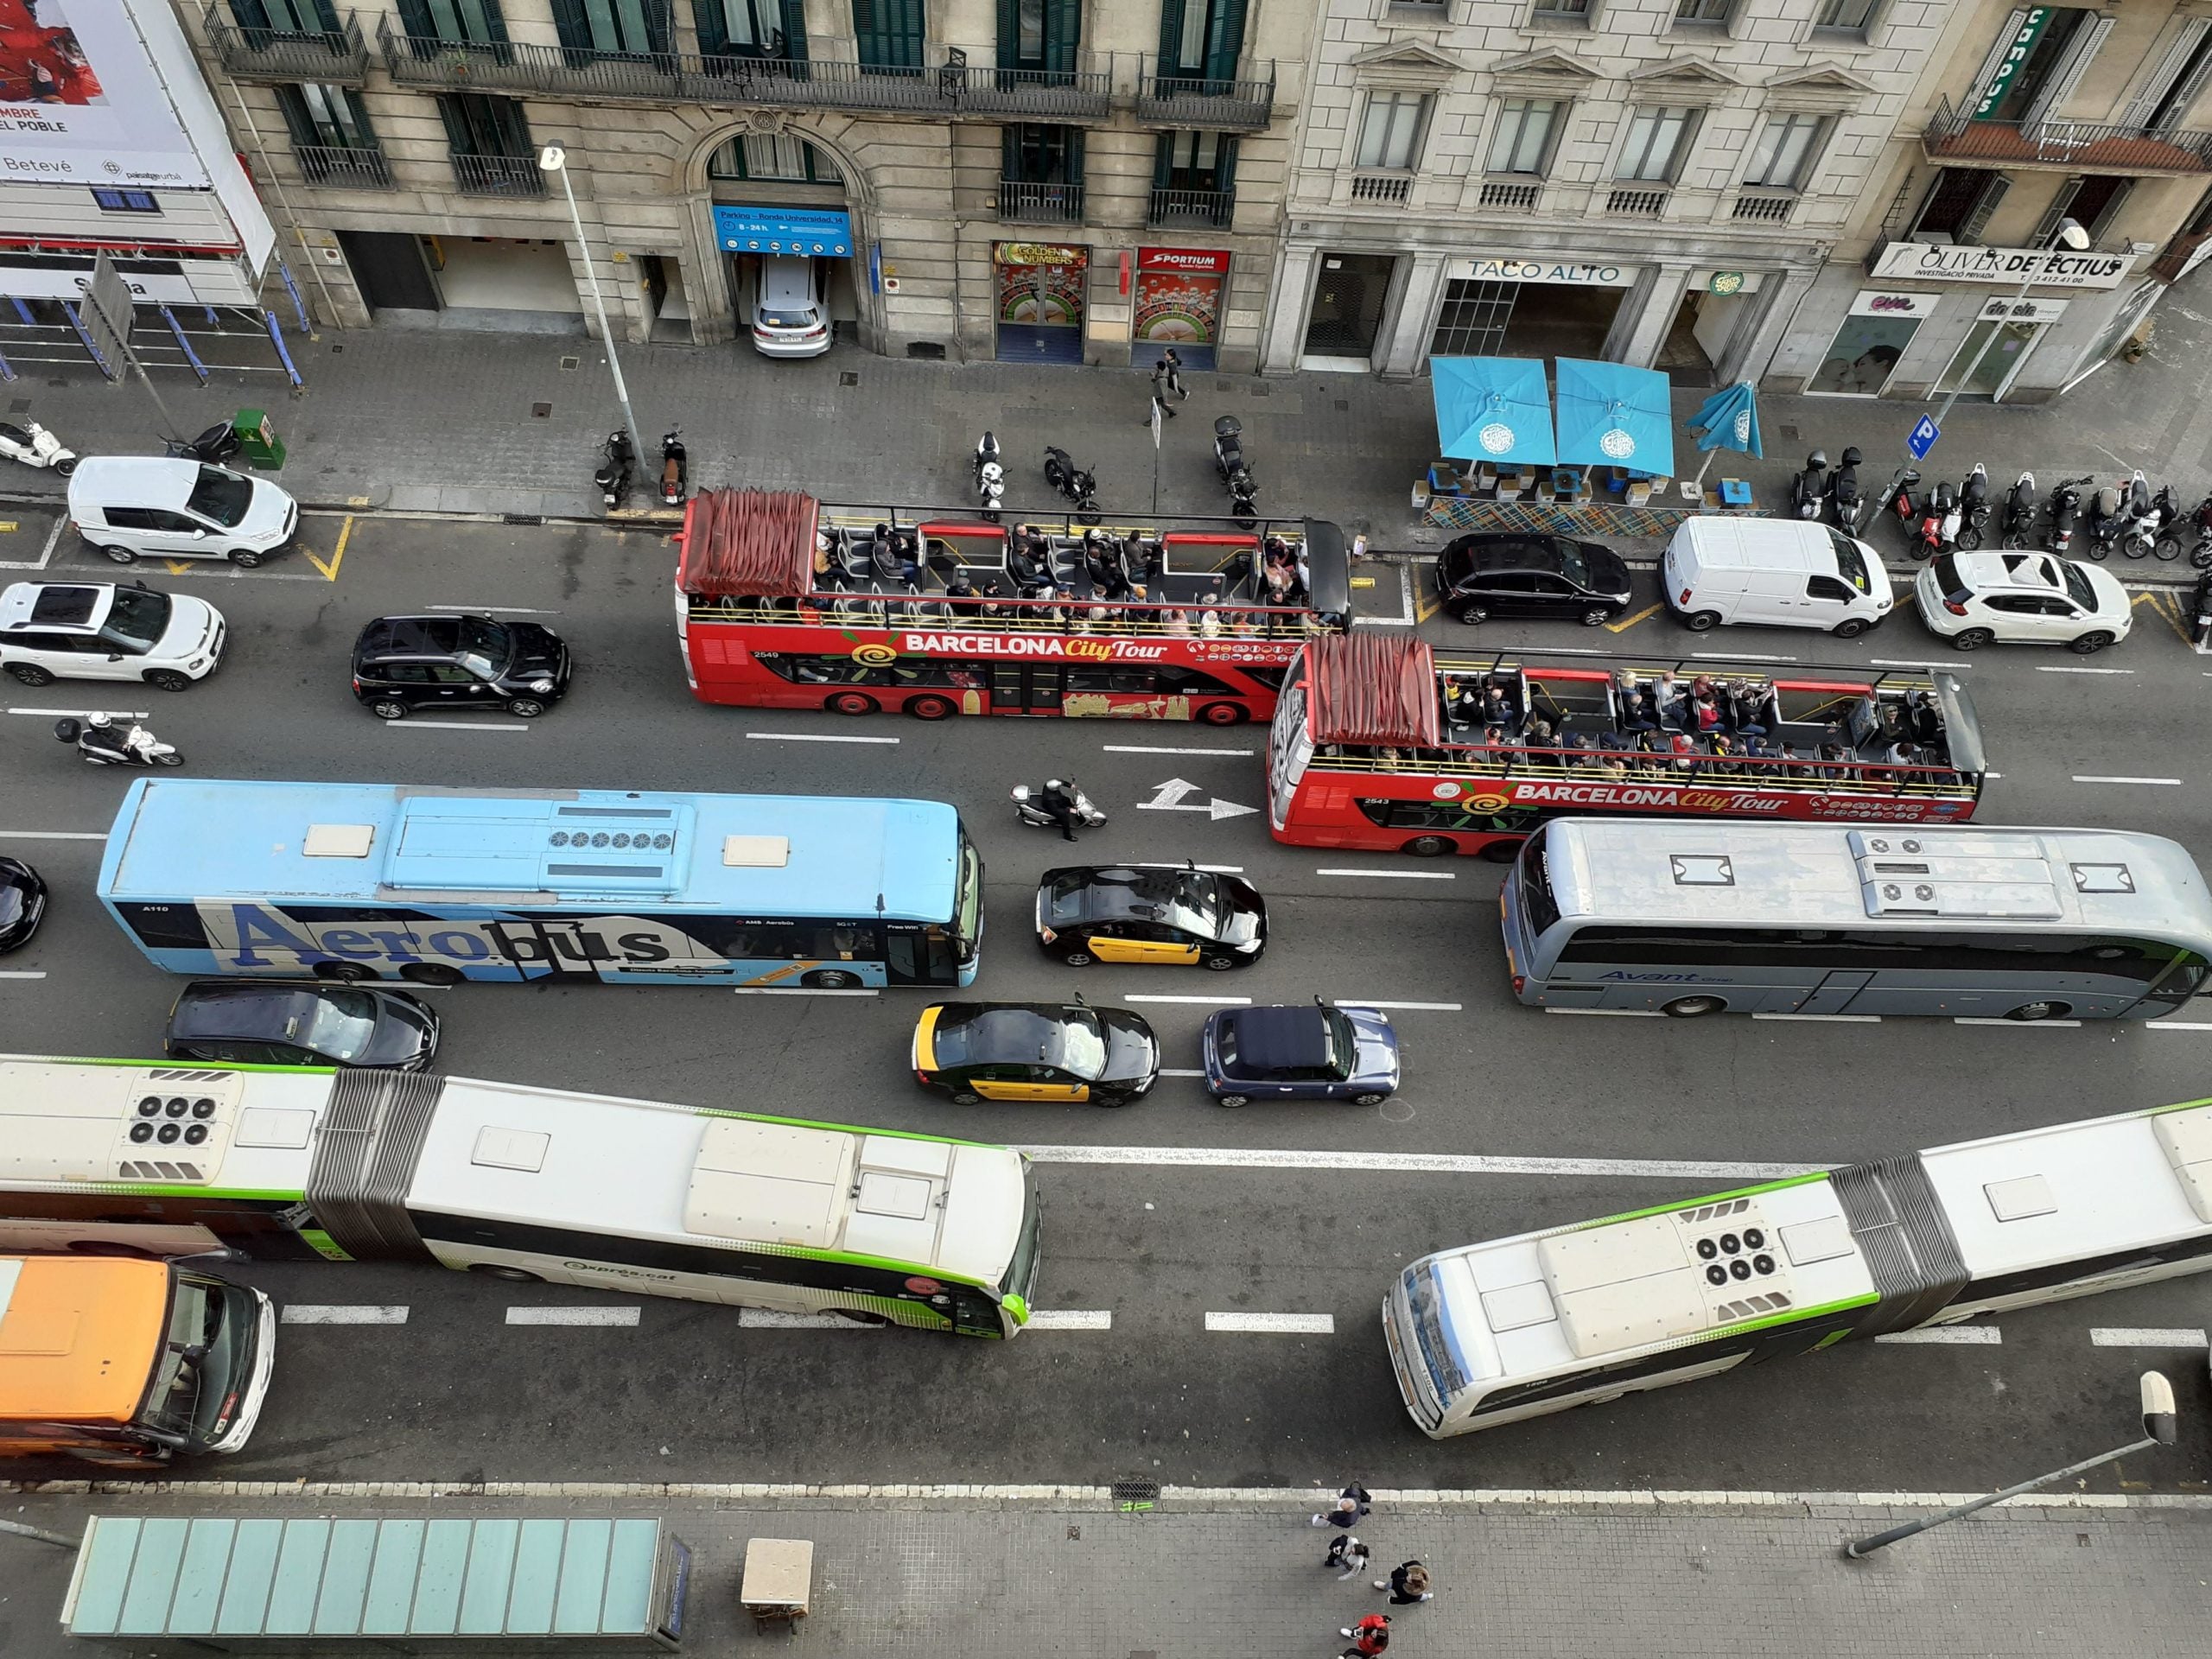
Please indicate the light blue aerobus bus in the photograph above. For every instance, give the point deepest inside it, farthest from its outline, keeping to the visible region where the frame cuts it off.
(356, 882)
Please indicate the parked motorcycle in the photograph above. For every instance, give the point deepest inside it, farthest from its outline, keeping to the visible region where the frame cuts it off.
(2110, 510)
(991, 479)
(2148, 517)
(2065, 513)
(1975, 508)
(1079, 485)
(1035, 806)
(675, 467)
(618, 459)
(1228, 462)
(1845, 504)
(1936, 527)
(1809, 488)
(2201, 522)
(218, 446)
(34, 446)
(100, 742)
(2020, 511)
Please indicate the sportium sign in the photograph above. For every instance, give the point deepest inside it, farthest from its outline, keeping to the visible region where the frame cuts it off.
(2022, 46)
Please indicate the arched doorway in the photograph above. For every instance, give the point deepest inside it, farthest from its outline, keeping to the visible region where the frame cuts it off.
(781, 202)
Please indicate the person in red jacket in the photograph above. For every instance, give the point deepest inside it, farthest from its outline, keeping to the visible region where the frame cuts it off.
(1370, 1636)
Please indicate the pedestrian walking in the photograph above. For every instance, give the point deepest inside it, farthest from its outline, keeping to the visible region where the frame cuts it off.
(1174, 364)
(1351, 1507)
(1370, 1636)
(1163, 383)
(1408, 1584)
(1348, 1552)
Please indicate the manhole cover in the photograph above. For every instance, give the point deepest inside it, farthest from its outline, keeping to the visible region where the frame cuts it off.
(1136, 1492)
(539, 411)
(336, 349)
(57, 381)
(1342, 403)
(1075, 1534)
(1263, 392)
(1790, 433)
(20, 406)
(522, 518)
(571, 362)
(847, 377)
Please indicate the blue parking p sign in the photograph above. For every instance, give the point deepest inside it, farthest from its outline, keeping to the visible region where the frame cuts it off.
(1922, 438)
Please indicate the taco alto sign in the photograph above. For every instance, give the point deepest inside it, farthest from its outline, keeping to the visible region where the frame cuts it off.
(2038, 267)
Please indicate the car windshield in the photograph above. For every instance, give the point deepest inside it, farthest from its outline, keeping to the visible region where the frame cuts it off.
(1850, 563)
(2077, 586)
(485, 646)
(221, 496)
(191, 1390)
(337, 1023)
(1571, 564)
(1344, 1042)
(787, 319)
(136, 619)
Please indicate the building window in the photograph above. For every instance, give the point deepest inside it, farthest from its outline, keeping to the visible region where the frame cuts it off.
(1577, 9)
(1040, 36)
(1390, 131)
(480, 125)
(750, 29)
(332, 137)
(1201, 38)
(1655, 145)
(1958, 205)
(1783, 152)
(772, 158)
(285, 18)
(1522, 140)
(1471, 322)
(1702, 11)
(1853, 15)
(889, 33)
(618, 27)
(1036, 153)
(453, 20)
(125, 201)
(1194, 161)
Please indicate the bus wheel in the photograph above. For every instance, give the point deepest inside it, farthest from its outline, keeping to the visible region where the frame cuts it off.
(501, 1270)
(1427, 846)
(1221, 714)
(1689, 1007)
(851, 703)
(2041, 1011)
(350, 972)
(831, 979)
(1500, 851)
(929, 707)
(432, 973)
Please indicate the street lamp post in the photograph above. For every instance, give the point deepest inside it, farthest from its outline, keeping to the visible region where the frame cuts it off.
(554, 159)
(2159, 1429)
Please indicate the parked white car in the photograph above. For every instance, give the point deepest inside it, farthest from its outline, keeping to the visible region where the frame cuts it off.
(789, 319)
(102, 631)
(134, 506)
(2024, 598)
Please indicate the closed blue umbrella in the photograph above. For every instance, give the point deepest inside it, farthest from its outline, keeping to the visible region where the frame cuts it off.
(1611, 414)
(1493, 409)
(1729, 420)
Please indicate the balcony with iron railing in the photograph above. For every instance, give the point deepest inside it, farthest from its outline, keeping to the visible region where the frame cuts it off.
(1022, 202)
(340, 167)
(1389, 189)
(1175, 97)
(1640, 202)
(1190, 209)
(1955, 137)
(498, 175)
(337, 57)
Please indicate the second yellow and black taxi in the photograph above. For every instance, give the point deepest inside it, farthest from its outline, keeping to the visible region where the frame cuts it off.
(1149, 912)
(974, 1051)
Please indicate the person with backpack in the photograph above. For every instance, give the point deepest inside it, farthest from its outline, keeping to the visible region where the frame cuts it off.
(1408, 1584)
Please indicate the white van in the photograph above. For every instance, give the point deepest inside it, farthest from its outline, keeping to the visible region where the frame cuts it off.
(130, 507)
(1785, 573)
(789, 319)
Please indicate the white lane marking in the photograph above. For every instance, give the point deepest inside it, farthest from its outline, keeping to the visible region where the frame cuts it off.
(336, 1314)
(1843, 1019)
(1743, 657)
(1617, 1013)
(491, 610)
(1140, 748)
(2138, 1336)
(1415, 1163)
(86, 713)
(455, 726)
(1992, 776)
(1976, 1020)
(769, 1319)
(1210, 1001)
(804, 990)
(23, 973)
(46, 553)
(1176, 1071)
(1217, 869)
(1425, 1008)
(1071, 1318)
(1277, 1325)
(1984, 1334)
(813, 737)
(2101, 778)
(572, 1316)
(1396, 875)
(2178, 1025)
(2053, 667)
(53, 834)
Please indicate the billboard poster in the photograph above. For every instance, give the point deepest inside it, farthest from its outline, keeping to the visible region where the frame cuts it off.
(80, 102)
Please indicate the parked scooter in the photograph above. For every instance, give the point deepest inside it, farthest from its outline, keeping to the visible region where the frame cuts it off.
(1074, 482)
(1228, 462)
(1809, 487)
(1845, 504)
(2201, 522)
(991, 479)
(100, 742)
(1035, 807)
(675, 467)
(2148, 517)
(1975, 508)
(1936, 530)
(618, 459)
(2065, 513)
(34, 446)
(2111, 511)
(2020, 511)
(1901, 502)
(216, 446)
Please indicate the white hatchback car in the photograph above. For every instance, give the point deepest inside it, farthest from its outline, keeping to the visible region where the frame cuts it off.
(102, 631)
(2024, 598)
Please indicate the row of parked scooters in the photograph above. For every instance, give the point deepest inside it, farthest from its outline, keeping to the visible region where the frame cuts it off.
(2126, 516)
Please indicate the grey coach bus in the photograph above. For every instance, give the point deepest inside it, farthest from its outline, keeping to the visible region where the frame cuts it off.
(1688, 918)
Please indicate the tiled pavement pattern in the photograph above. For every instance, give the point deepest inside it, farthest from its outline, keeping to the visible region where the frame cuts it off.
(991, 1580)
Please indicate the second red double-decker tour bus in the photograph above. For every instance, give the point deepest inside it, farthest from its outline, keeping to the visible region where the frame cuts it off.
(1380, 743)
(783, 602)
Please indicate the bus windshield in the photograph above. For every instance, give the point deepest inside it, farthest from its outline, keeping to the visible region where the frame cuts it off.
(1020, 1277)
(1539, 910)
(968, 902)
(195, 1388)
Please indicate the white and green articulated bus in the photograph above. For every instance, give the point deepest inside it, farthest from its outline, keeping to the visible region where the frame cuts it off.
(1579, 1315)
(519, 1183)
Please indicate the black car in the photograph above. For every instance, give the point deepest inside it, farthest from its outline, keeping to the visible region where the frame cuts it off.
(1150, 912)
(22, 903)
(283, 1022)
(1508, 574)
(406, 663)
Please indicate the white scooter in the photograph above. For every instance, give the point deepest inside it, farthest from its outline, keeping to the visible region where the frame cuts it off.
(101, 743)
(1029, 806)
(34, 446)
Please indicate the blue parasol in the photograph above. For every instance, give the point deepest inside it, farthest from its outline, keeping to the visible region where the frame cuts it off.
(1727, 420)
(1611, 414)
(1493, 409)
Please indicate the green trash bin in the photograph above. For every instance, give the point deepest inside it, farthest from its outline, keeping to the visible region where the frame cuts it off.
(257, 440)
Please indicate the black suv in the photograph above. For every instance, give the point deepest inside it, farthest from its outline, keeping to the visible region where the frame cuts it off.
(406, 663)
(1511, 574)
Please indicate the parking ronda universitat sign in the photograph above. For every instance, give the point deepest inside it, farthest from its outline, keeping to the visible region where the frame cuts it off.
(2038, 267)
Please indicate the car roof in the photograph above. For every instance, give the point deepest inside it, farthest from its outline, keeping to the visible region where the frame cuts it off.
(134, 481)
(2029, 572)
(213, 1008)
(1110, 891)
(56, 604)
(412, 636)
(1274, 1038)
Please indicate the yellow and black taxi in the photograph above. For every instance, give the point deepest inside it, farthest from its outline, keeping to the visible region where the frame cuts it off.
(1150, 912)
(972, 1051)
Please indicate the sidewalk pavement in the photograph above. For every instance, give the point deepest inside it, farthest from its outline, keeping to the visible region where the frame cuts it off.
(448, 421)
(1221, 1575)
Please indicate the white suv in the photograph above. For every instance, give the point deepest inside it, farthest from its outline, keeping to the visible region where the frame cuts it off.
(2025, 598)
(102, 631)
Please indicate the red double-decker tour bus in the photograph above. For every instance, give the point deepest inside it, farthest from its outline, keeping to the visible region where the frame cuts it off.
(1380, 743)
(784, 602)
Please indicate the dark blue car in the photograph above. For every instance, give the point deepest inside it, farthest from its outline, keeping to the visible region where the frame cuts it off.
(1300, 1052)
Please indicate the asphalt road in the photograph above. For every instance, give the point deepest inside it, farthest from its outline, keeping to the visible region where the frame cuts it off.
(1607, 1114)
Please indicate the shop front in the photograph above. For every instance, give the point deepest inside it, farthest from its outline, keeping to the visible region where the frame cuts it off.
(1039, 302)
(750, 235)
(1870, 343)
(1178, 303)
(1513, 306)
(1989, 359)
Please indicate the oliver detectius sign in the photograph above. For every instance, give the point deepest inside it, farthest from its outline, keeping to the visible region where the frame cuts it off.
(80, 102)
(2038, 267)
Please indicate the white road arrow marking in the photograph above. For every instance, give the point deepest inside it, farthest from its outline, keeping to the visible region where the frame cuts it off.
(1169, 797)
